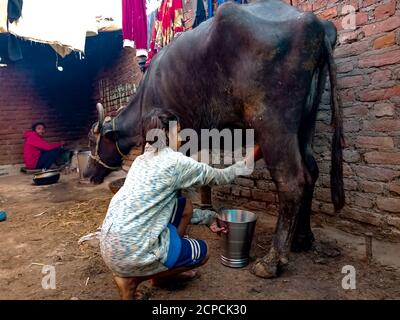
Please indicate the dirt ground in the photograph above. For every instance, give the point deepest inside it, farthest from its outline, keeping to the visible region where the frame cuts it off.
(45, 223)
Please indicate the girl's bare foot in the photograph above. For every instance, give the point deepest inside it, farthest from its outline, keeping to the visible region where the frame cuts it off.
(181, 277)
(127, 287)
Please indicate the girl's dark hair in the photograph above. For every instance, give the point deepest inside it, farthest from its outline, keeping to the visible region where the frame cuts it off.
(38, 124)
(156, 119)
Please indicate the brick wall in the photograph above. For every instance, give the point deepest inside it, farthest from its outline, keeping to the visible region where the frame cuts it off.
(34, 90)
(114, 85)
(368, 60)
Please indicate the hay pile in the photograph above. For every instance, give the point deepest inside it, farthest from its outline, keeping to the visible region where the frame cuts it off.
(78, 219)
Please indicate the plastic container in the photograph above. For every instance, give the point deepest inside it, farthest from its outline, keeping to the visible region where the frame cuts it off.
(3, 216)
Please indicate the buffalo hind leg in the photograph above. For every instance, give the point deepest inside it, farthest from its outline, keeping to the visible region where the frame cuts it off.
(303, 237)
(287, 171)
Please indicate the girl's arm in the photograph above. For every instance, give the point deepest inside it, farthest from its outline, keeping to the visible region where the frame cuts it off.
(190, 172)
(42, 144)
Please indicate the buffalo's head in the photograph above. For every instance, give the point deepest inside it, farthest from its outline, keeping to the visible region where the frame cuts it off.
(103, 143)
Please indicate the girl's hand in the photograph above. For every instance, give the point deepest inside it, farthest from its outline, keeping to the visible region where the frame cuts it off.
(255, 155)
(216, 229)
(257, 152)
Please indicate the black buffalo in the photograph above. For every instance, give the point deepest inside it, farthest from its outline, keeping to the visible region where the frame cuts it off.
(263, 66)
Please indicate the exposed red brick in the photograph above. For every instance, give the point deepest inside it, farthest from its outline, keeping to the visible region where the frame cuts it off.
(349, 37)
(388, 204)
(362, 215)
(376, 173)
(387, 40)
(382, 125)
(255, 205)
(345, 67)
(338, 23)
(347, 96)
(361, 200)
(394, 187)
(245, 182)
(355, 111)
(393, 221)
(382, 26)
(367, 3)
(375, 142)
(306, 7)
(246, 193)
(376, 157)
(379, 94)
(387, 9)
(351, 81)
(353, 49)
(323, 194)
(383, 110)
(351, 126)
(349, 184)
(381, 76)
(261, 195)
(371, 187)
(380, 59)
(361, 18)
(329, 13)
(318, 4)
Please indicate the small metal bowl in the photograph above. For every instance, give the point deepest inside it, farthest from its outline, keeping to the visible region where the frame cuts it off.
(46, 177)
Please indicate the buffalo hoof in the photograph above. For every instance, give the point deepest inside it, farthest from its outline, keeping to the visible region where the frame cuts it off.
(302, 242)
(267, 267)
(265, 270)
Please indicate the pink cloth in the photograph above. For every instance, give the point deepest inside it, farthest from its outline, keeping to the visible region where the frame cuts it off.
(33, 147)
(134, 22)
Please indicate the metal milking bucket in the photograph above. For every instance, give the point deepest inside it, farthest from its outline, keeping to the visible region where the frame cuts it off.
(240, 225)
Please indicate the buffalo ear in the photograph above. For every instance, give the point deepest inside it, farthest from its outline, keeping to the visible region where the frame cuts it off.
(111, 135)
(108, 131)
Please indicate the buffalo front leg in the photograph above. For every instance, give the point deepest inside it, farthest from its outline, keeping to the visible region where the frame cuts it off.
(287, 171)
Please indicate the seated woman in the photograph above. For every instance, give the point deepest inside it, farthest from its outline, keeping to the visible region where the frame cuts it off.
(38, 153)
(143, 233)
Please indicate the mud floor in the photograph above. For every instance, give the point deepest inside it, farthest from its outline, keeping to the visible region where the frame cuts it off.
(45, 223)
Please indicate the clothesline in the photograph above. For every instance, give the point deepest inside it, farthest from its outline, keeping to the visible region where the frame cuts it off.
(147, 25)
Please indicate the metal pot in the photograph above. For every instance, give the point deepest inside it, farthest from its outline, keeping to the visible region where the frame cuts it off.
(83, 159)
(237, 241)
(46, 177)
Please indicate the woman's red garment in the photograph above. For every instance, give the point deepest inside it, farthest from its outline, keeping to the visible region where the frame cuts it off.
(134, 22)
(169, 22)
(33, 147)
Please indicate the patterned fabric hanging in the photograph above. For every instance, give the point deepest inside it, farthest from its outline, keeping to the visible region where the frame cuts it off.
(169, 22)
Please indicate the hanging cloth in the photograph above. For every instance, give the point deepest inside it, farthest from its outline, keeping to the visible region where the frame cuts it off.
(200, 14)
(210, 8)
(151, 12)
(134, 25)
(14, 10)
(169, 22)
(3, 15)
